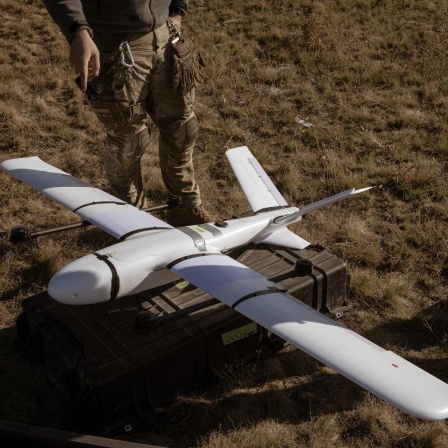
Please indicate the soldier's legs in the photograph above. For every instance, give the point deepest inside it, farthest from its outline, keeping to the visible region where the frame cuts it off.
(123, 151)
(118, 97)
(177, 124)
(121, 97)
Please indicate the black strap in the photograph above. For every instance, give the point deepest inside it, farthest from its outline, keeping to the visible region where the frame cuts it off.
(173, 263)
(115, 283)
(133, 232)
(100, 202)
(263, 292)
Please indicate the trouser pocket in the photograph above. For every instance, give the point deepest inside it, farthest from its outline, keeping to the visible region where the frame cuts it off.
(113, 96)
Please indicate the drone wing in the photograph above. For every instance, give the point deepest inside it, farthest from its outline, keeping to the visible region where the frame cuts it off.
(101, 209)
(381, 372)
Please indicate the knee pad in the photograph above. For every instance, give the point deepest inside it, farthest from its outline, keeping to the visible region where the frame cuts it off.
(178, 134)
(123, 150)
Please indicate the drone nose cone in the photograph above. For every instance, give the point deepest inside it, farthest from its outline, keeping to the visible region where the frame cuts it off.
(85, 281)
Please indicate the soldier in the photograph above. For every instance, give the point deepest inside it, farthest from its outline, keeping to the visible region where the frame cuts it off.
(133, 61)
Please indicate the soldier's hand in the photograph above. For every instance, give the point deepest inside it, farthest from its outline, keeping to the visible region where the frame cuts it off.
(177, 19)
(85, 57)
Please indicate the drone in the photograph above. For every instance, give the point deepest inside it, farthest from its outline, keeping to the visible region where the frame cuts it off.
(151, 253)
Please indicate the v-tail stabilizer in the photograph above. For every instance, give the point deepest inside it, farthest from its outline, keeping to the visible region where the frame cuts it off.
(263, 196)
(260, 192)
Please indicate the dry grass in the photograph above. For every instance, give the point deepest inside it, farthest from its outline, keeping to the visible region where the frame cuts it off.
(371, 76)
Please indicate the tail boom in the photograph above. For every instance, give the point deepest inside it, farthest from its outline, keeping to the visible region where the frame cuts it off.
(296, 216)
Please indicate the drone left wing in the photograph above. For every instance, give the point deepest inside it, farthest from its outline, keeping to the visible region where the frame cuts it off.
(101, 209)
(381, 372)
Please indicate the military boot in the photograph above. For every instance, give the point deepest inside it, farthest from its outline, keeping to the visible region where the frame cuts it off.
(180, 216)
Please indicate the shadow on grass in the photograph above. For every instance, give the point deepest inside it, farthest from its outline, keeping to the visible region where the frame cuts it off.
(246, 404)
(426, 333)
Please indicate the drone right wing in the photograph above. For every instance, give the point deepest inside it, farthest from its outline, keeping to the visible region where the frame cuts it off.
(382, 372)
(114, 216)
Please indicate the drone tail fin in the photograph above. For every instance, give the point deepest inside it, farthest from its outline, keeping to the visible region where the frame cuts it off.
(260, 192)
(282, 237)
(263, 196)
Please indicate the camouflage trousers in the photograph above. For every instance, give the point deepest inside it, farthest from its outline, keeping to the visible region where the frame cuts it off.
(134, 84)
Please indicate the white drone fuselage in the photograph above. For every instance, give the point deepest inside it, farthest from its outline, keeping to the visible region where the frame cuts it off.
(139, 263)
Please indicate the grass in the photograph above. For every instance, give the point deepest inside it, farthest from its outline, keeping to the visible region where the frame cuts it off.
(371, 77)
